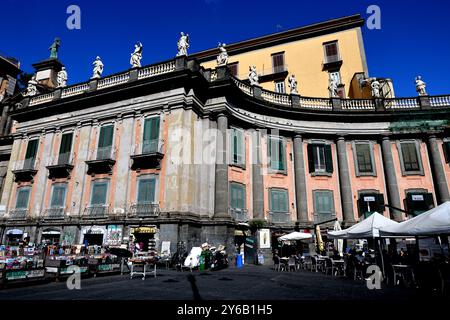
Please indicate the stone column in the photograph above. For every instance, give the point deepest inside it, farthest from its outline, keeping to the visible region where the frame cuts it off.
(221, 183)
(391, 179)
(344, 182)
(300, 181)
(437, 169)
(257, 177)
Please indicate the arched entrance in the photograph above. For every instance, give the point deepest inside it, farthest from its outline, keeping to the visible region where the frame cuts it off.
(14, 237)
(51, 236)
(93, 235)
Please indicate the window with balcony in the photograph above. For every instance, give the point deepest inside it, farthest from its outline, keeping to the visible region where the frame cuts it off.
(280, 87)
(30, 154)
(146, 205)
(146, 190)
(331, 51)
(105, 142)
(418, 201)
(150, 139)
(364, 161)
(57, 202)
(237, 201)
(61, 166)
(279, 205)
(65, 148)
(370, 202)
(277, 153)
(278, 62)
(320, 159)
(237, 147)
(323, 205)
(98, 203)
(22, 200)
(410, 160)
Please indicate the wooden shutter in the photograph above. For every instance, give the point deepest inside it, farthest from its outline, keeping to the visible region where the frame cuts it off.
(106, 136)
(146, 192)
(151, 135)
(65, 148)
(23, 195)
(58, 196)
(311, 158)
(282, 155)
(278, 62)
(273, 201)
(31, 149)
(99, 193)
(328, 158)
(446, 147)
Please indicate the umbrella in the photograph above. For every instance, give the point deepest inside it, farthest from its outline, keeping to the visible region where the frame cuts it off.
(120, 252)
(320, 244)
(338, 243)
(295, 236)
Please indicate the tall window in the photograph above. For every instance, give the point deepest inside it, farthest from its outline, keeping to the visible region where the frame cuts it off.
(105, 142)
(99, 193)
(151, 135)
(370, 202)
(280, 87)
(364, 159)
(277, 153)
(30, 154)
(237, 196)
(65, 148)
(234, 69)
(58, 195)
(278, 62)
(278, 201)
(331, 51)
(320, 159)
(323, 202)
(237, 147)
(410, 157)
(418, 202)
(23, 196)
(146, 190)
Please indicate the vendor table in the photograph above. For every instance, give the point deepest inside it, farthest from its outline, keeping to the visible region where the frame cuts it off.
(142, 268)
(403, 271)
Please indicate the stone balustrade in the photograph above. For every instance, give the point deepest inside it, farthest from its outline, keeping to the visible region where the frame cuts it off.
(113, 80)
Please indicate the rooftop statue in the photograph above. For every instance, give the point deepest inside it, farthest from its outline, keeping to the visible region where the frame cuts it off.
(31, 88)
(293, 84)
(136, 56)
(183, 44)
(222, 58)
(375, 85)
(54, 48)
(98, 68)
(61, 78)
(421, 86)
(253, 76)
(332, 88)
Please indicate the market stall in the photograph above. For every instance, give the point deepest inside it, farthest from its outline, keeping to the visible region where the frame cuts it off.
(142, 265)
(104, 263)
(27, 266)
(60, 258)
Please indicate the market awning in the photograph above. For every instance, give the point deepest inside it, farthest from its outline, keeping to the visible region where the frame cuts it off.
(14, 232)
(295, 236)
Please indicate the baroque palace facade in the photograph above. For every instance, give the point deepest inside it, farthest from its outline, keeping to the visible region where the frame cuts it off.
(190, 148)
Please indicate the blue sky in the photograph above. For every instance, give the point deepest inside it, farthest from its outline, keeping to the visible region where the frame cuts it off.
(413, 40)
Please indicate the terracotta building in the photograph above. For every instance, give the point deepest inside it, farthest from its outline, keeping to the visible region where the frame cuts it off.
(187, 150)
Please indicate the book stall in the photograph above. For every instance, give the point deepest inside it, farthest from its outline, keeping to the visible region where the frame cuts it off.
(60, 259)
(19, 264)
(100, 261)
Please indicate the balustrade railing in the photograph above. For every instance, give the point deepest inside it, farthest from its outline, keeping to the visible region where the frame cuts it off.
(145, 209)
(244, 87)
(102, 153)
(279, 217)
(315, 103)
(27, 164)
(148, 147)
(401, 103)
(74, 90)
(239, 215)
(151, 71)
(18, 214)
(440, 101)
(54, 213)
(96, 211)
(358, 104)
(276, 98)
(113, 80)
(43, 98)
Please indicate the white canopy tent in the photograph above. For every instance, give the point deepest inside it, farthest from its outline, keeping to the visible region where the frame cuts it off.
(372, 227)
(433, 222)
(295, 236)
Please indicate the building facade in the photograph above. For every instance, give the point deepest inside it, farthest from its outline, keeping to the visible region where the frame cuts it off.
(186, 151)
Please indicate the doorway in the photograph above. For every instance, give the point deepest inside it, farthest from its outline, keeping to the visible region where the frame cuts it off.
(92, 239)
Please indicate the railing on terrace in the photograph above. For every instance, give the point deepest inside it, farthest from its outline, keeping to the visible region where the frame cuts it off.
(238, 214)
(54, 213)
(96, 211)
(358, 104)
(27, 164)
(74, 90)
(440, 101)
(61, 159)
(145, 209)
(43, 98)
(148, 147)
(18, 214)
(316, 103)
(102, 153)
(113, 80)
(244, 87)
(277, 98)
(151, 71)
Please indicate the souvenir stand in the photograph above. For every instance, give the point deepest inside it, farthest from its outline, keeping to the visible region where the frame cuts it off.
(60, 258)
(143, 263)
(20, 264)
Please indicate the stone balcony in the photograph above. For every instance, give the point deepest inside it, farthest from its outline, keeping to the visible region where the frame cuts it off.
(239, 215)
(144, 210)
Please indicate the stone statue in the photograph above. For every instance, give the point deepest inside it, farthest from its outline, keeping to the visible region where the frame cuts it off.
(136, 56)
(98, 68)
(421, 86)
(332, 87)
(293, 84)
(61, 78)
(375, 85)
(222, 58)
(253, 76)
(31, 88)
(183, 44)
(54, 48)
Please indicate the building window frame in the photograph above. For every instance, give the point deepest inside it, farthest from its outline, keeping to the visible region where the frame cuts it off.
(144, 120)
(155, 177)
(19, 191)
(281, 67)
(337, 55)
(418, 155)
(369, 192)
(418, 191)
(235, 184)
(371, 144)
(283, 190)
(283, 152)
(91, 196)
(106, 124)
(316, 192)
(327, 150)
(280, 87)
(56, 185)
(233, 161)
(70, 152)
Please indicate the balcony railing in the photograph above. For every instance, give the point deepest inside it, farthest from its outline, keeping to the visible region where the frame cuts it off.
(60, 166)
(239, 214)
(145, 209)
(101, 160)
(147, 154)
(104, 153)
(25, 170)
(279, 217)
(322, 217)
(18, 214)
(96, 211)
(27, 164)
(54, 213)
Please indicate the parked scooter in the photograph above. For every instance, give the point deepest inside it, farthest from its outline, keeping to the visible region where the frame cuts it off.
(220, 258)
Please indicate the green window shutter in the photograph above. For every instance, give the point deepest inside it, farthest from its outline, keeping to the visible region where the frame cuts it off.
(239, 147)
(282, 155)
(410, 156)
(446, 147)
(98, 196)
(278, 201)
(31, 149)
(324, 202)
(364, 160)
(429, 200)
(328, 158)
(23, 195)
(311, 158)
(277, 154)
(237, 199)
(146, 190)
(151, 135)
(65, 148)
(58, 196)
(106, 136)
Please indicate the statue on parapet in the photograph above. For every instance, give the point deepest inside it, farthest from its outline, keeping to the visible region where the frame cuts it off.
(253, 76)
(98, 68)
(292, 82)
(421, 86)
(136, 56)
(31, 89)
(183, 44)
(332, 88)
(222, 58)
(61, 78)
(375, 85)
